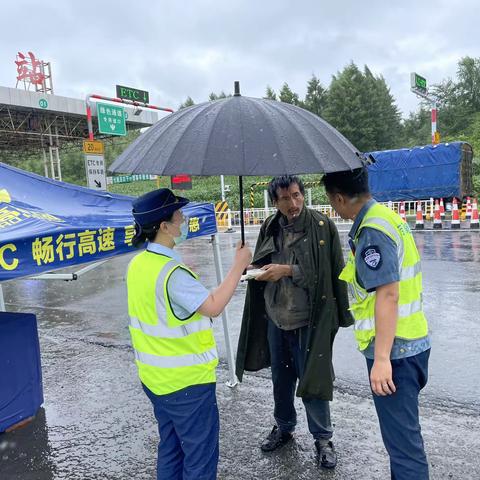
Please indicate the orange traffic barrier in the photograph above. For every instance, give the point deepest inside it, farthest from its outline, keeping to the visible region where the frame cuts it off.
(419, 221)
(442, 209)
(474, 221)
(455, 215)
(437, 219)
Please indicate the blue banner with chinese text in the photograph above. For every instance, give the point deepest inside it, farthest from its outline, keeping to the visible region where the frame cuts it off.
(47, 225)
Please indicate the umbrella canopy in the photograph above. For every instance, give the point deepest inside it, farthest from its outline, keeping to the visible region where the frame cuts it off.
(239, 136)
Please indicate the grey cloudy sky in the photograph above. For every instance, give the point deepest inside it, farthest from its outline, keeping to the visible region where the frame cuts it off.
(175, 48)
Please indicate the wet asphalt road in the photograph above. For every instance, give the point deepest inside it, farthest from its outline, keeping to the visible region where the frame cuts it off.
(97, 423)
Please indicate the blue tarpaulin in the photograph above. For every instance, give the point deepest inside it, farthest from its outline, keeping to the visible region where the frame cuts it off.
(417, 173)
(46, 224)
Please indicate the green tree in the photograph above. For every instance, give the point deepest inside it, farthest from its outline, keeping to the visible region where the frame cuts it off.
(316, 97)
(361, 107)
(458, 100)
(286, 95)
(217, 96)
(383, 112)
(416, 129)
(347, 108)
(187, 103)
(468, 85)
(270, 93)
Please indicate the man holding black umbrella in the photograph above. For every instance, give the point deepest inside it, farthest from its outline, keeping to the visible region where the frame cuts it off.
(292, 314)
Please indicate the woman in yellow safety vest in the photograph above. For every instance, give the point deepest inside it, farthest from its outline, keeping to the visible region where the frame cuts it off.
(172, 337)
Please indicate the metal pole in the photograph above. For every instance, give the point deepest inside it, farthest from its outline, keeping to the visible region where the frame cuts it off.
(265, 201)
(309, 193)
(2, 301)
(59, 167)
(222, 185)
(434, 122)
(50, 151)
(232, 382)
(45, 162)
(89, 119)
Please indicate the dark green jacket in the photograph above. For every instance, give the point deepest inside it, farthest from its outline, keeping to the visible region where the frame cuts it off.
(319, 254)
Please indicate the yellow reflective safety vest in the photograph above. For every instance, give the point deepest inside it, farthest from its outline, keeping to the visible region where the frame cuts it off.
(411, 323)
(171, 353)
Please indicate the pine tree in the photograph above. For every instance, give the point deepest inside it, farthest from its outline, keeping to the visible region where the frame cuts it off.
(286, 95)
(362, 108)
(346, 107)
(217, 96)
(187, 103)
(316, 97)
(383, 111)
(270, 93)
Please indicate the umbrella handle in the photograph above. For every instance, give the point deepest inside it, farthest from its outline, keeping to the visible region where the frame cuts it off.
(242, 222)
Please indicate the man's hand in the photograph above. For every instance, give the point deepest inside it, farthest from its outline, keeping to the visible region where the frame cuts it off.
(381, 378)
(274, 272)
(386, 313)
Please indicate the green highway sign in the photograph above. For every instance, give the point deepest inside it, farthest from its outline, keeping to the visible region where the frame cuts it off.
(111, 119)
(418, 83)
(132, 178)
(43, 103)
(134, 94)
(122, 179)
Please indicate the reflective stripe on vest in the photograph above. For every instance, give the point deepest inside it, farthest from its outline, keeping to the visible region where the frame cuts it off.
(411, 321)
(171, 353)
(163, 331)
(180, 361)
(403, 311)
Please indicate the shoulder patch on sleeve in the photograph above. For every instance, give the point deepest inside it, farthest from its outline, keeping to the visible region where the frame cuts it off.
(372, 257)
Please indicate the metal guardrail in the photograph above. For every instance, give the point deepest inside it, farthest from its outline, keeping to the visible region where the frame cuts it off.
(256, 216)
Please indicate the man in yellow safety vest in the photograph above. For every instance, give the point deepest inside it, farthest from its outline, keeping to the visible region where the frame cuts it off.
(385, 279)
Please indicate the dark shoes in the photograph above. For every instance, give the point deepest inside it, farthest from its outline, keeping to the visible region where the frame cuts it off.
(276, 439)
(326, 456)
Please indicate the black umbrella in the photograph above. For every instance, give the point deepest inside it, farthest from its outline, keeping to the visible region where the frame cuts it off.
(239, 136)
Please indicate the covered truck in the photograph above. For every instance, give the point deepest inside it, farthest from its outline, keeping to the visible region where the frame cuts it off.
(418, 173)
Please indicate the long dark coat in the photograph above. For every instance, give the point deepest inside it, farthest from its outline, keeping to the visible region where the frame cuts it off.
(319, 254)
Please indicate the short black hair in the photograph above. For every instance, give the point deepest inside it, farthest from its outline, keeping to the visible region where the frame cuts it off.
(148, 232)
(350, 182)
(283, 182)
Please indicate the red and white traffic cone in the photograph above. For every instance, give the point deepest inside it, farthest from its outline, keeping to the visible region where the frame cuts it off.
(474, 221)
(442, 209)
(437, 219)
(402, 211)
(468, 213)
(455, 215)
(419, 221)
